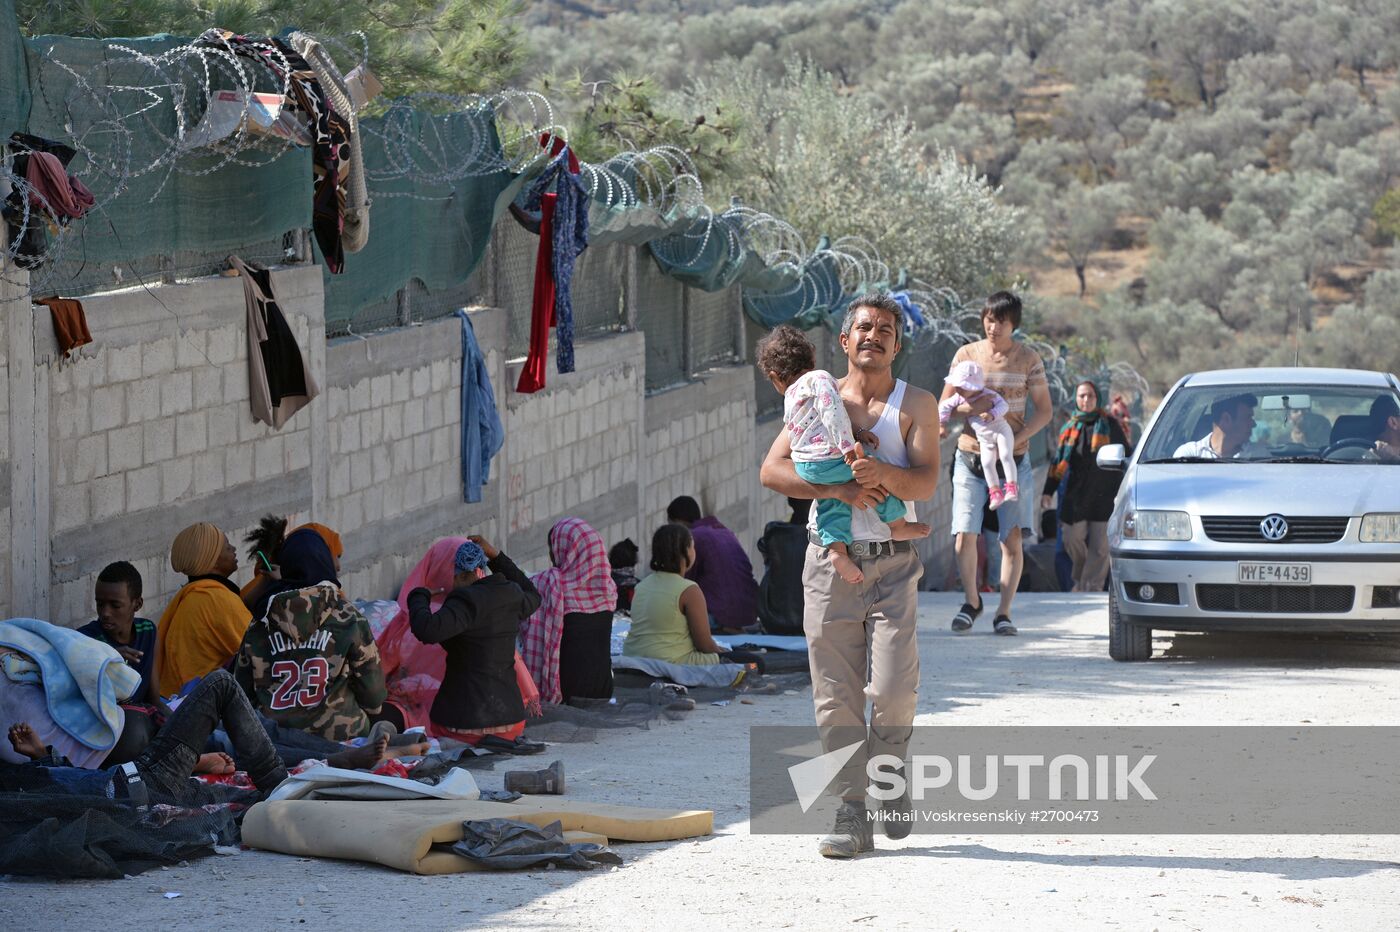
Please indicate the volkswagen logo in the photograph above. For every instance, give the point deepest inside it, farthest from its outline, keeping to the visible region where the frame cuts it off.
(1274, 528)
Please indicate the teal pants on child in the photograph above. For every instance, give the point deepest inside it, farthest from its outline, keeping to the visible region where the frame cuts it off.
(834, 515)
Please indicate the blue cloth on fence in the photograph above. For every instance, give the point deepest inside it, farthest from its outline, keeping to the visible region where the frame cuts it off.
(570, 239)
(84, 680)
(913, 314)
(482, 432)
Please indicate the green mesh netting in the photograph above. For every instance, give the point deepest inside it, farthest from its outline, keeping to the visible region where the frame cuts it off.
(14, 76)
(436, 232)
(160, 211)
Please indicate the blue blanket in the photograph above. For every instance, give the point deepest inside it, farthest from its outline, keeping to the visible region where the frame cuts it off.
(83, 678)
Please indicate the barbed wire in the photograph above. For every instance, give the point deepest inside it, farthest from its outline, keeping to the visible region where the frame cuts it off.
(141, 113)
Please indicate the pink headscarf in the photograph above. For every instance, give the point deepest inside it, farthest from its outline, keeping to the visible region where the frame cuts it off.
(414, 670)
(580, 581)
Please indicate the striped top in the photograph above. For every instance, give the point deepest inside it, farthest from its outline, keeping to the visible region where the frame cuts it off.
(1011, 376)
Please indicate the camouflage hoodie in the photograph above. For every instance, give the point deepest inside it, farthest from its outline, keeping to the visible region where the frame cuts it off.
(312, 664)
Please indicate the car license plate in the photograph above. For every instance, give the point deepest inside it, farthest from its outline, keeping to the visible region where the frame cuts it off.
(1276, 574)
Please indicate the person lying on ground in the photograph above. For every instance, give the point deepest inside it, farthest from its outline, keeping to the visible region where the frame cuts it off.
(118, 597)
(265, 554)
(165, 767)
(824, 445)
(477, 624)
(567, 642)
(670, 622)
(309, 660)
(203, 626)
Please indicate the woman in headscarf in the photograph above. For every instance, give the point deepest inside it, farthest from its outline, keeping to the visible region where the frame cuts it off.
(477, 622)
(566, 643)
(204, 624)
(1088, 496)
(414, 670)
(309, 661)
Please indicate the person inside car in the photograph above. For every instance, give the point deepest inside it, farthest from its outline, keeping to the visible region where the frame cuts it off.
(1232, 423)
(1385, 420)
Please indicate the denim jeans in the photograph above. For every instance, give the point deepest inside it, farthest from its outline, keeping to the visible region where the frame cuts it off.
(169, 760)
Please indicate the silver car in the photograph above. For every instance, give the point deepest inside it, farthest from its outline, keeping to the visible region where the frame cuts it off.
(1259, 500)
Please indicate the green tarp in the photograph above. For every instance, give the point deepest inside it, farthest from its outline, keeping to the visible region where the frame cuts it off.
(14, 75)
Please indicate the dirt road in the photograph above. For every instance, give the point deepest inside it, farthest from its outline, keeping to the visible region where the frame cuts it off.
(1057, 672)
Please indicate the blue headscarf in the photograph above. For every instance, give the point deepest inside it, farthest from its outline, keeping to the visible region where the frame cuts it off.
(469, 557)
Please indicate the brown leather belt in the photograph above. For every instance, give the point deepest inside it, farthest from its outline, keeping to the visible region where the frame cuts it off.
(869, 548)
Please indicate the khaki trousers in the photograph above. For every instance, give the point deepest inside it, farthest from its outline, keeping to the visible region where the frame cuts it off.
(862, 648)
(1086, 542)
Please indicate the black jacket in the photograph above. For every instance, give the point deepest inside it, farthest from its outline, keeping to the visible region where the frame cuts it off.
(477, 626)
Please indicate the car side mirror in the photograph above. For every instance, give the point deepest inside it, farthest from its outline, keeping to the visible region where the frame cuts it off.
(1113, 456)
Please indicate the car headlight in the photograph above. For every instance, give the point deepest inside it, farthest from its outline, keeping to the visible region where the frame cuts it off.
(1157, 525)
(1380, 529)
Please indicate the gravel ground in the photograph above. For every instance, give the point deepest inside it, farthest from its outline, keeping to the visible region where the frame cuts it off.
(1057, 672)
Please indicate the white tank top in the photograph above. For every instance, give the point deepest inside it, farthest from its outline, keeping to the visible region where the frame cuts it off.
(865, 523)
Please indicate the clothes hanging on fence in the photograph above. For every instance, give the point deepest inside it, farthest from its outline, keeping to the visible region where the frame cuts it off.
(50, 198)
(69, 323)
(563, 236)
(483, 435)
(355, 232)
(279, 382)
(330, 154)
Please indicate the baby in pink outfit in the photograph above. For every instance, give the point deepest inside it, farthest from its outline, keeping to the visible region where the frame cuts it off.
(994, 435)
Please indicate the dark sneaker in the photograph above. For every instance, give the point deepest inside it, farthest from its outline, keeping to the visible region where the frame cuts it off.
(852, 834)
(1002, 625)
(896, 823)
(962, 621)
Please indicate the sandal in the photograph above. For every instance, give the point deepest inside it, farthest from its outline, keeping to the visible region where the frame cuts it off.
(962, 621)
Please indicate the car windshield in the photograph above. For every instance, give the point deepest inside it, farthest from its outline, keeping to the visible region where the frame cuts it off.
(1276, 423)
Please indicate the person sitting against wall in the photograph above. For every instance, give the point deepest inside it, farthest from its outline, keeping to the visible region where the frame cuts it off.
(477, 624)
(567, 642)
(720, 567)
(784, 549)
(203, 626)
(670, 619)
(414, 670)
(309, 661)
(265, 554)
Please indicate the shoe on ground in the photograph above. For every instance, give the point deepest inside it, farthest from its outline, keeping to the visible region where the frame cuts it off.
(995, 497)
(900, 825)
(1010, 493)
(852, 834)
(1002, 625)
(962, 621)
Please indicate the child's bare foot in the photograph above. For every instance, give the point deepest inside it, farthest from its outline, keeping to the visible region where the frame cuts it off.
(215, 763)
(909, 530)
(846, 568)
(365, 758)
(24, 741)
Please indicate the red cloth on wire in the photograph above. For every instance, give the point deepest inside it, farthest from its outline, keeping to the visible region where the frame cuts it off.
(542, 307)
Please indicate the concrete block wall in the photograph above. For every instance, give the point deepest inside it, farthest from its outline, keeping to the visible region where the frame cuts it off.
(577, 448)
(151, 430)
(700, 442)
(393, 448)
(12, 304)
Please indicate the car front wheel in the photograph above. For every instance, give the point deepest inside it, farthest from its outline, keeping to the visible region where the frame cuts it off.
(1126, 641)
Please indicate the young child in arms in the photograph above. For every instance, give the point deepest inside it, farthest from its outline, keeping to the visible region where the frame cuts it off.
(823, 444)
(994, 435)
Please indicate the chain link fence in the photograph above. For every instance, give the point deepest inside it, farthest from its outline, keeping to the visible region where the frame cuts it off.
(661, 316)
(713, 322)
(72, 274)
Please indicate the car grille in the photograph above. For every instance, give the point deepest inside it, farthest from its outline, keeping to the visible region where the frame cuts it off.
(1301, 600)
(1245, 530)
